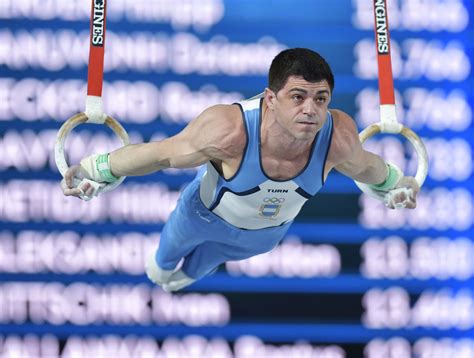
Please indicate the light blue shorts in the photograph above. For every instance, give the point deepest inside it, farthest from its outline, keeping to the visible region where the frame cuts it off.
(205, 240)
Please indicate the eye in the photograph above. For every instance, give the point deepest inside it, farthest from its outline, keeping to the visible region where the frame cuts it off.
(321, 99)
(297, 98)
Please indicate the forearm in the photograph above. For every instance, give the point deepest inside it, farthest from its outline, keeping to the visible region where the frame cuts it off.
(147, 158)
(374, 170)
(136, 159)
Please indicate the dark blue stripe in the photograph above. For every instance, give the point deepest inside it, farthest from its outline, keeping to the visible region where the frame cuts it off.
(223, 282)
(244, 153)
(268, 331)
(224, 190)
(303, 193)
(328, 148)
(309, 232)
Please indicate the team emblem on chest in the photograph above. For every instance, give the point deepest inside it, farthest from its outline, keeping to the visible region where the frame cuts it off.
(271, 207)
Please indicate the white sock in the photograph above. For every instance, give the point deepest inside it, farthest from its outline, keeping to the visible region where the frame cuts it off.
(155, 273)
(177, 281)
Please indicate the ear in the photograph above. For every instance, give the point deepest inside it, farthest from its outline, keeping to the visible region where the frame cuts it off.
(269, 97)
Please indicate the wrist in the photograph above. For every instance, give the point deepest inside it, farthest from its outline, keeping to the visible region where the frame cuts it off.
(394, 174)
(97, 167)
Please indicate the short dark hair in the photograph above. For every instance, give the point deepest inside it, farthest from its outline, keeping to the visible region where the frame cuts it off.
(299, 62)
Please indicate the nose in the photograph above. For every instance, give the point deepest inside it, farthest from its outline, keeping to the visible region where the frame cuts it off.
(309, 108)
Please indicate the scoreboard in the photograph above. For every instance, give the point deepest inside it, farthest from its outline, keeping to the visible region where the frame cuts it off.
(351, 278)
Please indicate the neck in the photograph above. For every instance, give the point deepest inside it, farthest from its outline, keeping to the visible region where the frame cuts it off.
(278, 141)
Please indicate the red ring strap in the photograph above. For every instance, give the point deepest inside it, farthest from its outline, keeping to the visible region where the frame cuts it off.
(95, 72)
(382, 41)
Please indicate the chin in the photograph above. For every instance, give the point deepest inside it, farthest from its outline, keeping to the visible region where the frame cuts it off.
(306, 136)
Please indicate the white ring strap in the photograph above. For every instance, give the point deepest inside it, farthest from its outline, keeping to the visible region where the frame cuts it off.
(388, 119)
(94, 110)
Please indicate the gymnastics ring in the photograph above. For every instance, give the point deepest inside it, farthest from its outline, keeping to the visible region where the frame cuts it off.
(64, 131)
(417, 143)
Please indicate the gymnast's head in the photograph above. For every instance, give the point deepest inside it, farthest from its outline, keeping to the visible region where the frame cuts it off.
(299, 62)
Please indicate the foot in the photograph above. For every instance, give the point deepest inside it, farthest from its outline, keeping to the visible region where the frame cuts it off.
(177, 281)
(155, 273)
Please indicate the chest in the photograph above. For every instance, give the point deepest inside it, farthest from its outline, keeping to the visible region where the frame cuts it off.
(282, 169)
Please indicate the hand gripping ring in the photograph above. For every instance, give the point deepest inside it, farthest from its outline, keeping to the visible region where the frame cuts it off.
(67, 127)
(420, 148)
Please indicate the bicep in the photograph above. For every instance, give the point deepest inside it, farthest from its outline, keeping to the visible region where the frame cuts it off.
(350, 158)
(208, 137)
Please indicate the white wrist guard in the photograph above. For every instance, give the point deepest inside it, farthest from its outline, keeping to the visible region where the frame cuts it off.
(97, 167)
(378, 191)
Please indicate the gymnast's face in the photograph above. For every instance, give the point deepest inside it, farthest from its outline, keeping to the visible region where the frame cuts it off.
(300, 107)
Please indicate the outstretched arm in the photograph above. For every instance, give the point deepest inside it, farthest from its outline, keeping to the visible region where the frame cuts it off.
(211, 136)
(349, 157)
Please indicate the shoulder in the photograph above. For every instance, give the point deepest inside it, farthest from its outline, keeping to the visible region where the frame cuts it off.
(221, 114)
(219, 127)
(224, 123)
(345, 138)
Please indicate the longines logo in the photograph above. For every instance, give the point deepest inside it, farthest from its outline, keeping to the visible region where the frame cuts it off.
(381, 26)
(98, 23)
